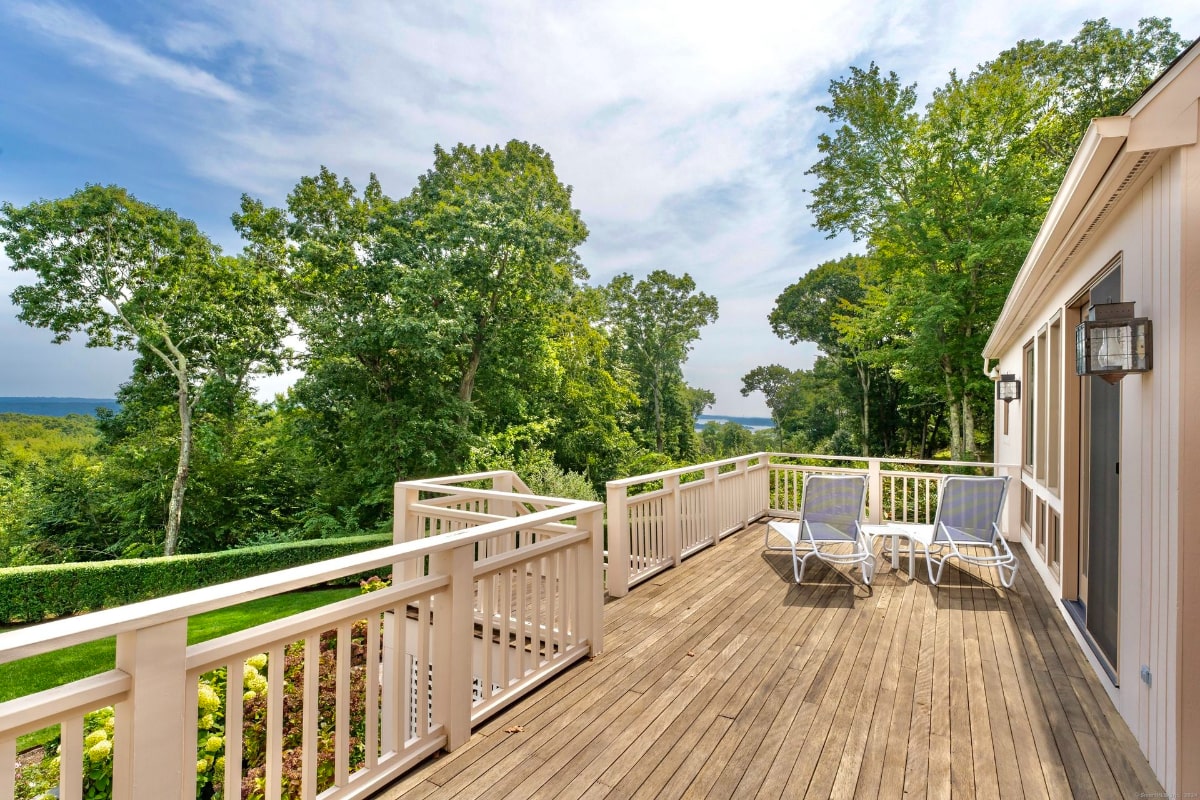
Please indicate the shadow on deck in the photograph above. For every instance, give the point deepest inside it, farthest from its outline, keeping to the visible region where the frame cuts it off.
(722, 678)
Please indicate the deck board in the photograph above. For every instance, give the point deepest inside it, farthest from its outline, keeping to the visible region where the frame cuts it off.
(723, 679)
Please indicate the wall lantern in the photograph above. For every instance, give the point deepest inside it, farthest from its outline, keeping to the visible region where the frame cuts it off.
(1111, 343)
(1008, 388)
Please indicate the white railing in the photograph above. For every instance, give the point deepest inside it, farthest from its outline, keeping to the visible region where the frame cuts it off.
(482, 609)
(667, 516)
(657, 520)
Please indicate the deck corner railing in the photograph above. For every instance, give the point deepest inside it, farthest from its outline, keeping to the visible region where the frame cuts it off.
(495, 590)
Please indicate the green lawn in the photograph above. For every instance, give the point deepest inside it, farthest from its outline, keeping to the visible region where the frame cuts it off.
(46, 671)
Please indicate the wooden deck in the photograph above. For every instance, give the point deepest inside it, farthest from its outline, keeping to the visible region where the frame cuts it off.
(724, 679)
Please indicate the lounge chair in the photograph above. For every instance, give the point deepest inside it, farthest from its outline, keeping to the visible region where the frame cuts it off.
(829, 515)
(966, 527)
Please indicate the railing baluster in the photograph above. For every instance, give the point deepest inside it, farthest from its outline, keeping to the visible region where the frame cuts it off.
(310, 712)
(402, 679)
(234, 691)
(8, 777)
(552, 607)
(394, 698)
(487, 595)
(538, 570)
(424, 669)
(274, 722)
(506, 626)
(372, 692)
(70, 754)
(341, 730)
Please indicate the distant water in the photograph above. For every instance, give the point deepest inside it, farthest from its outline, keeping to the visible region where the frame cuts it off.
(753, 423)
(54, 406)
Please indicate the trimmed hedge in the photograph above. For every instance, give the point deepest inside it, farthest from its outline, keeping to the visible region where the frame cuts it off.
(32, 594)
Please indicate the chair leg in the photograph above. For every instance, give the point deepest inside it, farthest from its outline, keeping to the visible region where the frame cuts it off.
(930, 560)
(868, 569)
(798, 565)
(1011, 571)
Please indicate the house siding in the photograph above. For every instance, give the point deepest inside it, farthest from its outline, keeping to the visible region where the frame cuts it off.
(1146, 230)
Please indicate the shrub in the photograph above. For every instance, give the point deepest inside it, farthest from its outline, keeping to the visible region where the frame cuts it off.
(32, 594)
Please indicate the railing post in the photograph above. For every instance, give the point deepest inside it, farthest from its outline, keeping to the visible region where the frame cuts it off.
(503, 508)
(155, 731)
(874, 491)
(713, 521)
(743, 467)
(617, 575)
(766, 483)
(1012, 502)
(406, 527)
(672, 519)
(454, 643)
(590, 581)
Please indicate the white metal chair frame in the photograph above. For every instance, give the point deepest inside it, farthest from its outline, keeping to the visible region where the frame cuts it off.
(803, 531)
(941, 539)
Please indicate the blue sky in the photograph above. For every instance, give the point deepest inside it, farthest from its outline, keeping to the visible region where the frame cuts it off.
(685, 128)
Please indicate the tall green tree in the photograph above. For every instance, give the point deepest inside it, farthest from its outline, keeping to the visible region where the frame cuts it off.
(654, 323)
(133, 276)
(496, 227)
(818, 308)
(592, 407)
(428, 321)
(781, 387)
(377, 397)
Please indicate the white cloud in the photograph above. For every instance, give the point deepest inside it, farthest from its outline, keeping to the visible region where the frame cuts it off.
(92, 42)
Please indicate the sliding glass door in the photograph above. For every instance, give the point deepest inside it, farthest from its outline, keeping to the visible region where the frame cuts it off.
(1100, 552)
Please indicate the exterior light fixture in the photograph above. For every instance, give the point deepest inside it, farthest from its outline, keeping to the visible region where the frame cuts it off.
(1008, 388)
(1111, 343)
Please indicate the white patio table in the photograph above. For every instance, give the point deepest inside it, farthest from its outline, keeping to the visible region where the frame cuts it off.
(898, 530)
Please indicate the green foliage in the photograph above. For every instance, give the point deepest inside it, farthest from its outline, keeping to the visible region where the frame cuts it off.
(29, 446)
(782, 388)
(592, 410)
(31, 594)
(25, 438)
(35, 781)
(725, 439)
(520, 450)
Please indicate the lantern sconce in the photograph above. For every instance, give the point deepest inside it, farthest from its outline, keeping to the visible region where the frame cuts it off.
(1111, 343)
(1008, 388)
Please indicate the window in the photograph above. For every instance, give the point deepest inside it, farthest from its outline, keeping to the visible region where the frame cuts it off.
(1029, 403)
(1040, 403)
(1053, 385)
